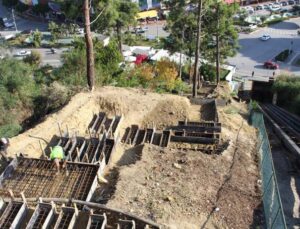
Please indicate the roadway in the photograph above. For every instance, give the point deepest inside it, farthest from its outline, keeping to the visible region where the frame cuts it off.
(253, 52)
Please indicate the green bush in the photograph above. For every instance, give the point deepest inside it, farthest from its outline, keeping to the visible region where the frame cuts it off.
(10, 3)
(209, 72)
(254, 105)
(283, 55)
(288, 89)
(21, 7)
(10, 130)
(50, 99)
(274, 21)
(33, 59)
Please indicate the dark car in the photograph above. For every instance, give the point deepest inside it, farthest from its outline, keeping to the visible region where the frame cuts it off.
(291, 2)
(26, 32)
(271, 65)
(283, 3)
(297, 2)
(283, 11)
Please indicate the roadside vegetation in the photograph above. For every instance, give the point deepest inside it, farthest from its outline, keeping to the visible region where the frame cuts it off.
(31, 91)
(288, 90)
(283, 55)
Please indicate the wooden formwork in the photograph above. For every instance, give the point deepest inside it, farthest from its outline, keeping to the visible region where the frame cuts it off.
(13, 215)
(42, 217)
(67, 218)
(97, 221)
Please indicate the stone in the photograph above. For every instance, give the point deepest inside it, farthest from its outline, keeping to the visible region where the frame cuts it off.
(177, 166)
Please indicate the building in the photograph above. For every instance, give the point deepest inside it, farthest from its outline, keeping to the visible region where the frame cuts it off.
(143, 4)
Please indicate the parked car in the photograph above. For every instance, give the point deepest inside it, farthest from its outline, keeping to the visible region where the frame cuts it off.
(6, 23)
(291, 2)
(275, 7)
(140, 30)
(23, 53)
(271, 65)
(252, 26)
(283, 3)
(266, 7)
(80, 31)
(259, 7)
(297, 2)
(140, 59)
(265, 37)
(283, 11)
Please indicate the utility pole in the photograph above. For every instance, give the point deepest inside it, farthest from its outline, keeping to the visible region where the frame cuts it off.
(197, 52)
(89, 47)
(13, 15)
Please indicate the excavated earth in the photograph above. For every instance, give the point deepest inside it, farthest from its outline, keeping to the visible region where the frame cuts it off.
(174, 187)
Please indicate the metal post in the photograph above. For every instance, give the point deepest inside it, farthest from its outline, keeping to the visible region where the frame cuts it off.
(43, 152)
(59, 128)
(13, 15)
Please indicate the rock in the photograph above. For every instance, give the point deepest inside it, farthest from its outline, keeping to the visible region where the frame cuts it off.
(172, 113)
(169, 198)
(217, 209)
(102, 180)
(177, 166)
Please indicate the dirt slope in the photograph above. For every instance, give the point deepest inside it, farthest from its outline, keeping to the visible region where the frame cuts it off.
(178, 189)
(188, 189)
(133, 104)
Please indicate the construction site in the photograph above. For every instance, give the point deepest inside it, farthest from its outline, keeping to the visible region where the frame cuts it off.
(136, 159)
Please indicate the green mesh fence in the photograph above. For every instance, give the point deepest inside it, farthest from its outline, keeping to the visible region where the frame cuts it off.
(273, 211)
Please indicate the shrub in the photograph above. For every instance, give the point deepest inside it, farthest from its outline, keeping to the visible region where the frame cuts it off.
(283, 55)
(209, 72)
(21, 7)
(10, 3)
(33, 59)
(288, 89)
(37, 38)
(10, 130)
(166, 74)
(50, 99)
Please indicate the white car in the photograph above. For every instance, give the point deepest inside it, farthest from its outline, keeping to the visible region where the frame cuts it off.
(23, 53)
(7, 23)
(140, 29)
(80, 31)
(275, 7)
(265, 37)
(252, 26)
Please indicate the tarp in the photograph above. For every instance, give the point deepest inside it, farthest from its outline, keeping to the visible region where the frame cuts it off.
(145, 14)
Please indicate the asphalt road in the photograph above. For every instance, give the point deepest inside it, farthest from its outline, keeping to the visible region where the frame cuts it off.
(253, 52)
(46, 55)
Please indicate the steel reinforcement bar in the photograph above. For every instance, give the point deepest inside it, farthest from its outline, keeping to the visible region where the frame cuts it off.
(42, 217)
(13, 215)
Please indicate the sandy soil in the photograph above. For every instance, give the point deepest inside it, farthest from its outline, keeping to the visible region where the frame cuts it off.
(135, 105)
(188, 189)
(178, 189)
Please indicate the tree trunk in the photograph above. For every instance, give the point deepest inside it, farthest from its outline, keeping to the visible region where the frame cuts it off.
(218, 47)
(89, 48)
(180, 65)
(197, 52)
(119, 35)
(218, 59)
(181, 50)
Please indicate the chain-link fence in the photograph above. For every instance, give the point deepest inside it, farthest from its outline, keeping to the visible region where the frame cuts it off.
(273, 211)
